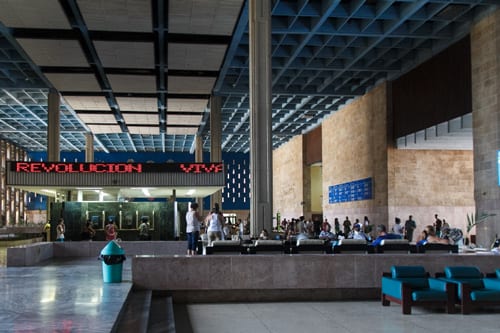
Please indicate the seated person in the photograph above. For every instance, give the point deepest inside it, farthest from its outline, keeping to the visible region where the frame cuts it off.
(428, 236)
(325, 232)
(264, 234)
(302, 235)
(357, 233)
(326, 235)
(382, 234)
(226, 230)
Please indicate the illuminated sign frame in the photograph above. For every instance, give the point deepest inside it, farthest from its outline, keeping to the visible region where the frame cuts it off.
(114, 168)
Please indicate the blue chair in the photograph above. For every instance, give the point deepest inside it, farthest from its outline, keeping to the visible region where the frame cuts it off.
(473, 289)
(411, 285)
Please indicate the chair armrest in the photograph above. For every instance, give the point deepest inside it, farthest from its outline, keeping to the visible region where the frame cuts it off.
(438, 284)
(491, 283)
(392, 287)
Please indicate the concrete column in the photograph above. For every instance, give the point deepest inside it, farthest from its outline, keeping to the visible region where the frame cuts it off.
(261, 164)
(198, 154)
(198, 158)
(53, 127)
(89, 147)
(216, 140)
(485, 47)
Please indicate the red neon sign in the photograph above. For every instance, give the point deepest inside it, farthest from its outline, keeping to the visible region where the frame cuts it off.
(54, 167)
(63, 167)
(201, 168)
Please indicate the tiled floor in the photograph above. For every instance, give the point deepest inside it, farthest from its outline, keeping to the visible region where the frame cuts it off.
(69, 296)
(338, 317)
(60, 296)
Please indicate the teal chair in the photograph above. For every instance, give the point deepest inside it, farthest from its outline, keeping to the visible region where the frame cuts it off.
(411, 285)
(473, 289)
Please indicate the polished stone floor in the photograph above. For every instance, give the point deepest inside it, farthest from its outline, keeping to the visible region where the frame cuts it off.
(338, 317)
(61, 296)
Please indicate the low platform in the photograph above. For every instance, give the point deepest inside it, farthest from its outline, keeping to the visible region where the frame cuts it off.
(311, 277)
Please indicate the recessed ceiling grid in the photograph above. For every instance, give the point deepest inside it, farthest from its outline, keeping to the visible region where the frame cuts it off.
(325, 53)
(23, 118)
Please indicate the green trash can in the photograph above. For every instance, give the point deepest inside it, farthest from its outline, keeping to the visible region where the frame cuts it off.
(112, 256)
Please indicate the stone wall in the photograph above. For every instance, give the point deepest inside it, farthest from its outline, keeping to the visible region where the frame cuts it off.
(427, 182)
(355, 147)
(288, 179)
(33, 254)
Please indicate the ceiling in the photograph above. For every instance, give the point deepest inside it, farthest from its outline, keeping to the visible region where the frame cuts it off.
(138, 74)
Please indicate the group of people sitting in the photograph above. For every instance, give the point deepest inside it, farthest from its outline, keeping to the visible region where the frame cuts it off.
(427, 236)
(301, 228)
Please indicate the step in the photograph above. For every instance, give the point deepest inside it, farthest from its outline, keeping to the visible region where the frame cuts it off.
(134, 316)
(161, 316)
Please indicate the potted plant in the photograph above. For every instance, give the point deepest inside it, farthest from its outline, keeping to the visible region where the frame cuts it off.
(475, 219)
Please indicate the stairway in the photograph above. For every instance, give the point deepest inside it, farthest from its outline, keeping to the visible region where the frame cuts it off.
(145, 312)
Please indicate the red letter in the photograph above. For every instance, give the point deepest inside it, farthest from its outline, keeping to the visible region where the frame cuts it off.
(22, 166)
(188, 169)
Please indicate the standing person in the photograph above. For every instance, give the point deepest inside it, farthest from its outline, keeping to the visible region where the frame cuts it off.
(410, 226)
(111, 233)
(214, 225)
(325, 226)
(88, 232)
(446, 225)
(61, 229)
(347, 226)
(366, 225)
(144, 229)
(317, 227)
(46, 232)
(241, 228)
(398, 228)
(438, 224)
(193, 221)
(336, 225)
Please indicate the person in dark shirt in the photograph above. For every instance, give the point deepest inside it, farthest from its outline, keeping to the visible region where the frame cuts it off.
(382, 234)
(347, 226)
(410, 226)
(438, 224)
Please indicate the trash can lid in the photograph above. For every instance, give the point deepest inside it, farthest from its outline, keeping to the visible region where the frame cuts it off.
(112, 248)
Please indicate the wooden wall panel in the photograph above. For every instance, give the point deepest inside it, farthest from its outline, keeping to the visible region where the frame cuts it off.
(312, 146)
(436, 91)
